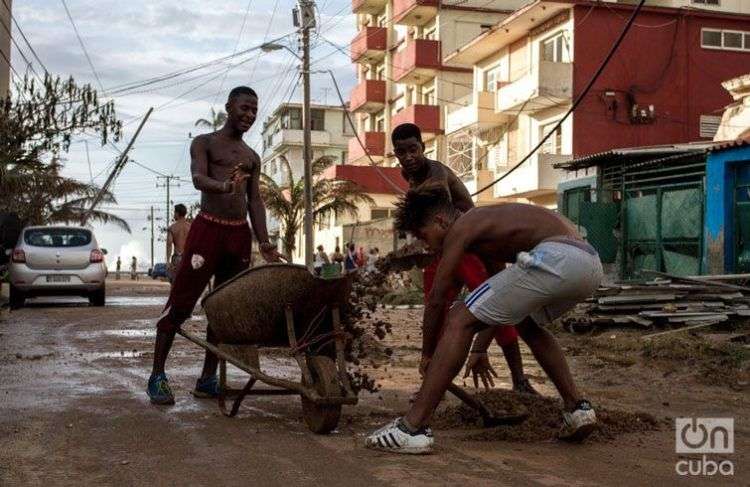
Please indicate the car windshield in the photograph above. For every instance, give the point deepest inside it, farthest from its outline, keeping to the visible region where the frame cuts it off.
(57, 237)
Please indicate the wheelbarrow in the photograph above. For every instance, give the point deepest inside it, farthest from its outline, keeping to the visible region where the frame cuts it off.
(282, 306)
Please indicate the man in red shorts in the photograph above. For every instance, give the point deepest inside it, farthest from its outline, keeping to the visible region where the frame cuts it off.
(227, 172)
(472, 273)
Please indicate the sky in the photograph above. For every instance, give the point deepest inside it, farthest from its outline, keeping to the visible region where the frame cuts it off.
(141, 39)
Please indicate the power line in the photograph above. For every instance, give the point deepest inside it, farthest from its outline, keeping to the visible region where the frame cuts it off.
(577, 101)
(236, 45)
(265, 36)
(83, 46)
(26, 40)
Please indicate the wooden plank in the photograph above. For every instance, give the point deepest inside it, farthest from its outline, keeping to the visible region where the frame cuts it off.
(637, 298)
(722, 277)
(679, 314)
(694, 280)
(684, 319)
(685, 328)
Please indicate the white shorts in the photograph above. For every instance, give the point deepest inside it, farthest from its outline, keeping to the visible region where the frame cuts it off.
(543, 284)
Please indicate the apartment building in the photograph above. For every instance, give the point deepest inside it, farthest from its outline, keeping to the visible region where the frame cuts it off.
(662, 87)
(331, 132)
(398, 53)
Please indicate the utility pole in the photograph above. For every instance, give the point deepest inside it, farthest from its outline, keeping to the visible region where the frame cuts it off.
(152, 237)
(5, 17)
(307, 13)
(167, 184)
(116, 170)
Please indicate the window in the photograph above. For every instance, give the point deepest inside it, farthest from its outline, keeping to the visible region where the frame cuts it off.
(492, 79)
(573, 199)
(705, 2)
(552, 48)
(553, 145)
(709, 125)
(317, 119)
(380, 122)
(57, 237)
(428, 96)
(379, 213)
(731, 40)
(292, 119)
(380, 72)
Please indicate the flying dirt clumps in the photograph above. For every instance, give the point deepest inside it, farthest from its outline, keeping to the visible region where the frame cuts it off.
(405, 258)
(543, 422)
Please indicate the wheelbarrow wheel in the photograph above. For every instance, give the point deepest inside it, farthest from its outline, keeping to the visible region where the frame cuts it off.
(322, 418)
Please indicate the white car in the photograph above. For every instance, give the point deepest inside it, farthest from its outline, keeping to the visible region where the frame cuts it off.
(57, 260)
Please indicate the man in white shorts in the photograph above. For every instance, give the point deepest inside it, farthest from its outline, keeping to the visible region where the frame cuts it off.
(553, 270)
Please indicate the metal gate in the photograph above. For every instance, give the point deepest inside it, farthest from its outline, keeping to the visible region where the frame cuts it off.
(662, 217)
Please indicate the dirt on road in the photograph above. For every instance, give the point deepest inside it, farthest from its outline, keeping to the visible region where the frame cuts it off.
(73, 409)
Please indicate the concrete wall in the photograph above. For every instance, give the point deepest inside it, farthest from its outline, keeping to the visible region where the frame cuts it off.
(718, 249)
(5, 49)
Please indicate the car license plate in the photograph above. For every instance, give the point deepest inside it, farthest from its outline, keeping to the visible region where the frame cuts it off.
(58, 278)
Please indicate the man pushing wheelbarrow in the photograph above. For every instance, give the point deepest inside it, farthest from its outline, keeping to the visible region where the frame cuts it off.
(227, 173)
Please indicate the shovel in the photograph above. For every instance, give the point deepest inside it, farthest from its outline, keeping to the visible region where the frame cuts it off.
(489, 420)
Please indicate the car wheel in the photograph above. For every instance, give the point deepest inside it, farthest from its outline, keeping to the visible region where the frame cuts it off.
(98, 297)
(17, 297)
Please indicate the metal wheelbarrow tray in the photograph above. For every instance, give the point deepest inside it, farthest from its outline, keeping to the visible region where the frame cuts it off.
(283, 305)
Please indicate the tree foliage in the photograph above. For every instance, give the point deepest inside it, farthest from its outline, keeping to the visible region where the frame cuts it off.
(37, 123)
(215, 121)
(286, 202)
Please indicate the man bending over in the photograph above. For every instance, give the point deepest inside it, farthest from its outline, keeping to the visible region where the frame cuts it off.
(553, 270)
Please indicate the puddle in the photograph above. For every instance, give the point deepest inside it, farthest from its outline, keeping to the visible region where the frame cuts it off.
(150, 332)
(112, 355)
(136, 301)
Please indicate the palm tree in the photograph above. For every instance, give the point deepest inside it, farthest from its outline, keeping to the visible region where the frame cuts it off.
(330, 196)
(215, 122)
(40, 195)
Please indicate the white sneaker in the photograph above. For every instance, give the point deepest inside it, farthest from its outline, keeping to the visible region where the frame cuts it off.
(578, 424)
(395, 438)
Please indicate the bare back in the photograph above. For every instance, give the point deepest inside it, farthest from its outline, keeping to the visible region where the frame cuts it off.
(497, 233)
(213, 158)
(179, 232)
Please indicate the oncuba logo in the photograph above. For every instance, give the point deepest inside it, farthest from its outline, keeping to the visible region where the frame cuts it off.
(702, 436)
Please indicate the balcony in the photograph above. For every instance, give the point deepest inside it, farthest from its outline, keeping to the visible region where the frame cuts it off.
(417, 62)
(372, 179)
(368, 96)
(374, 142)
(414, 12)
(369, 45)
(294, 137)
(549, 85)
(535, 177)
(368, 6)
(475, 111)
(426, 117)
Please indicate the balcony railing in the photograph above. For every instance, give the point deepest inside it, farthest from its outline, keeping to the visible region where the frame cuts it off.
(368, 96)
(374, 142)
(550, 84)
(476, 111)
(535, 177)
(417, 62)
(426, 117)
(368, 6)
(369, 44)
(414, 12)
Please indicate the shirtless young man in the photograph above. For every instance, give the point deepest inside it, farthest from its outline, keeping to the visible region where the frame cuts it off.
(554, 269)
(176, 237)
(227, 173)
(421, 172)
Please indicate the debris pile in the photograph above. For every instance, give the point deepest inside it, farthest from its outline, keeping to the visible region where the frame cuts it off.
(405, 258)
(543, 422)
(666, 300)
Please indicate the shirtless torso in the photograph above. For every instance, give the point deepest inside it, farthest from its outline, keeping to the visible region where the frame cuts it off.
(214, 158)
(434, 173)
(498, 233)
(177, 236)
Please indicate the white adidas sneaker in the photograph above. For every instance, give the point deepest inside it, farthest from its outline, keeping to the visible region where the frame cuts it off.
(578, 424)
(394, 437)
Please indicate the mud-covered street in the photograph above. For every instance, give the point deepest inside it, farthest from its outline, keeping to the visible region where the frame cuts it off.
(73, 411)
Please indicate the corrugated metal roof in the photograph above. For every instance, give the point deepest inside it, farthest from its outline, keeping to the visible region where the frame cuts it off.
(637, 154)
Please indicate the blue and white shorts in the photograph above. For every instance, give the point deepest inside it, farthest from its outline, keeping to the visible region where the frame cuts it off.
(543, 284)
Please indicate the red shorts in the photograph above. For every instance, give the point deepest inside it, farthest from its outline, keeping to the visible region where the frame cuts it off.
(472, 273)
(211, 249)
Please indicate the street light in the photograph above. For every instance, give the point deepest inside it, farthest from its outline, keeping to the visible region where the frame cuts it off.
(272, 46)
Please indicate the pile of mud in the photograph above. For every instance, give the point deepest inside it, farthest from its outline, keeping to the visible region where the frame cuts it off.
(543, 422)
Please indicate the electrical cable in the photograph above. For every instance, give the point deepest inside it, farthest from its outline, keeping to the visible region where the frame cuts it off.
(83, 46)
(577, 101)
